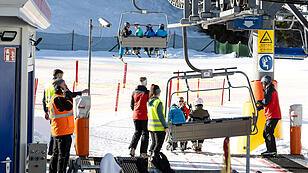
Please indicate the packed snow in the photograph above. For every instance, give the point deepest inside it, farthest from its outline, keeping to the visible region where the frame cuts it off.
(111, 132)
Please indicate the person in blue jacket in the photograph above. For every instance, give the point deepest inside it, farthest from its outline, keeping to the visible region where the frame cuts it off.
(149, 33)
(176, 116)
(161, 32)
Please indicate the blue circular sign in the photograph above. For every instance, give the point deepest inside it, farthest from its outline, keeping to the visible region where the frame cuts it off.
(266, 62)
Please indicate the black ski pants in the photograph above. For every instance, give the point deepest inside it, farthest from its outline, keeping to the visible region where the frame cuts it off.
(158, 138)
(50, 147)
(61, 153)
(268, 134)
(141, 130)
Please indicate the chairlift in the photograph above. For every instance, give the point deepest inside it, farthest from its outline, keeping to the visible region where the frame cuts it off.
(143, 42)
(214, 128)
(291, 52)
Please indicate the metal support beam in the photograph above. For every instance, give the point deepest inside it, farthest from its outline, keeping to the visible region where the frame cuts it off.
(90, 54)
(299, 16)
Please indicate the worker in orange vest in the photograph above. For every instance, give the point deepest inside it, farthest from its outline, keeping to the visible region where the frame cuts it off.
(62, 126)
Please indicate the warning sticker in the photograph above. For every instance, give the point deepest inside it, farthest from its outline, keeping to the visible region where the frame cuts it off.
(265, 41)
(9, 54)
(265, 63)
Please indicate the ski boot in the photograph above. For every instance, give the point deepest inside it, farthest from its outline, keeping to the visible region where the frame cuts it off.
(121, 57)
(164, 54)
(269, 154)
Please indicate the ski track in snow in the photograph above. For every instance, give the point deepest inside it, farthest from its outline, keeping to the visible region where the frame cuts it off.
(112, 132)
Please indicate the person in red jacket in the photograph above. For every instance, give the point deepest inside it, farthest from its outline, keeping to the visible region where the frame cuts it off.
(183, 107)
(139, 101)
(270, 104)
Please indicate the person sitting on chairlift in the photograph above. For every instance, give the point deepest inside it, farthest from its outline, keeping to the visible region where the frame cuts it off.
(149, 33)
(125, 32)
(161, 33)
(176, 116)
(199, 114)
(139, 33)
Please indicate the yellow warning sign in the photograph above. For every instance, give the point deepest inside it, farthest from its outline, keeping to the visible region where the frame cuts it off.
(265, 41)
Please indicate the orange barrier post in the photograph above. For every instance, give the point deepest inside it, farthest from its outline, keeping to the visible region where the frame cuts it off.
(295, 128)
(125, 73)
(223, 92)
(227, 156)
(82, 136)
(198, 88)
(178, 83)
(117, 99)
(74, 86)
(35, 89)
(76, 80)
(170, 89)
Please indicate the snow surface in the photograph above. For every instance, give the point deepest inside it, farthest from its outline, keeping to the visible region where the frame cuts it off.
(68, 15)
(112, 132)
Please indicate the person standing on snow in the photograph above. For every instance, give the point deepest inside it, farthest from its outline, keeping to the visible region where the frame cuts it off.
(199, 114)
(176, 116)
(139, 101)
(157, 124)
(270, 104)
(48, 93)
(161, 33)
(62, 126)
(149, 33)
(139, 33)
(125, 32)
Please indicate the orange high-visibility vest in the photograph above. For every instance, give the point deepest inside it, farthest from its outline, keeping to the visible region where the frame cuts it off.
(62, 123)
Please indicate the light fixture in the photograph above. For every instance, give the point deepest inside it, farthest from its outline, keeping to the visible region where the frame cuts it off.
(8, 35)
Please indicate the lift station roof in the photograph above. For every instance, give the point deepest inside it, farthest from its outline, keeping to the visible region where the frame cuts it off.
(34, 12)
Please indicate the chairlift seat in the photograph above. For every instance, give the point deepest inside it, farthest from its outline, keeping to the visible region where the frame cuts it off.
(215, 128)
(144, 42)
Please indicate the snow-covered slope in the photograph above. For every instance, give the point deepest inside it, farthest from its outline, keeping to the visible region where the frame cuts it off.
(69, 15)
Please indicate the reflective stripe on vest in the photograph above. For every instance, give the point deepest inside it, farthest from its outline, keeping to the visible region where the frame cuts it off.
(154, 123)
(62, 123)
(49, 92)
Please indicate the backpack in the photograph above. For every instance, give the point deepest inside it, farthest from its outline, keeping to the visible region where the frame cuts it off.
(142, 165)
(161, 162)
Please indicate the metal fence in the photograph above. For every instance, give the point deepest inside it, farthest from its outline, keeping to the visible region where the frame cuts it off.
(73, 42)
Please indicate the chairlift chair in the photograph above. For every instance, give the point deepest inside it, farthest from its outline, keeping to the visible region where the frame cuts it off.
(215, 128)
(143, 42)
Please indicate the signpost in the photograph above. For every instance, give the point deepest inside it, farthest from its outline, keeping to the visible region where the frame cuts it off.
(265, 50)
(250, 22)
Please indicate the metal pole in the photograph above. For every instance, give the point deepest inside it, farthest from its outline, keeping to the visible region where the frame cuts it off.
(248, 154)
(90, 54)
(73, 34)
(186, 9)
(195, 7)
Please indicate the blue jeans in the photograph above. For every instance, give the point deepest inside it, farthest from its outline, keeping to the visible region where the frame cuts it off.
(121, 50)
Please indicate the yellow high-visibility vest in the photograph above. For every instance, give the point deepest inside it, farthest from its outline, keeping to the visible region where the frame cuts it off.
(49, 92)
(154, 123)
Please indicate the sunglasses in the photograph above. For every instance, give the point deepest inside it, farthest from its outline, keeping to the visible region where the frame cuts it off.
(181, 101)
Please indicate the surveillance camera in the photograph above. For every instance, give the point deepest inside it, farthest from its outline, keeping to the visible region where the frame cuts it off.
(104, 22)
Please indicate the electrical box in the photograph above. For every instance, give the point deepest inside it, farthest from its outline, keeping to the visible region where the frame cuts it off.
(37, 158)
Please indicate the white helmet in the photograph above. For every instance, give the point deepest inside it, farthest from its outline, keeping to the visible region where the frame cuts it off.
(198, 101)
